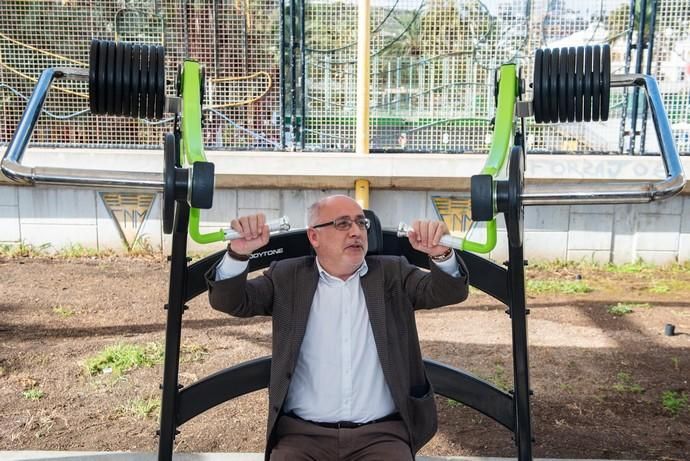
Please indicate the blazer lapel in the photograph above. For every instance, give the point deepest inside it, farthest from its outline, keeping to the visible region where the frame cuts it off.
(372, 285)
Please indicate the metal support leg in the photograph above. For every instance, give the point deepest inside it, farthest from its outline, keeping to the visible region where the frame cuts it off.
(175, 307)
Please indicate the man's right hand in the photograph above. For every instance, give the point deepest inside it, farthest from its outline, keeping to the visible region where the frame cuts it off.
(254, 232)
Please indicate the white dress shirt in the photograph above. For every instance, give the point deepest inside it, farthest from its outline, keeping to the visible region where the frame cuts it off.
(338, 375)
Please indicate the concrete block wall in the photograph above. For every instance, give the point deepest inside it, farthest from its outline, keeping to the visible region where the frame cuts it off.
(657, 232)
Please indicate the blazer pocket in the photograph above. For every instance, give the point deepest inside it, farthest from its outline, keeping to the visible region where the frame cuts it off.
(423, 417)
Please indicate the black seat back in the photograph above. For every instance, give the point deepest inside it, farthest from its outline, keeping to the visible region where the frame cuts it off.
(375, 233)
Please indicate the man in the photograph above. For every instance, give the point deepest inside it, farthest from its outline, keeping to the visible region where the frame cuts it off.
(347, 378)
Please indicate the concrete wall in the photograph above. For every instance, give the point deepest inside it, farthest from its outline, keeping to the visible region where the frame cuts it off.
(658, 232)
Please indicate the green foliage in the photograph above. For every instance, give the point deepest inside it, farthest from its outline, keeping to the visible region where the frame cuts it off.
(23, 250)
(121, 358)
(140, 408)
(624, 383)
(557, 286)
(674, 402)
(77, 250)
(453, 403)
(193, 352)
(637, 267)
(63, 311)
(659, 288)
(33, 394)
(621, 309)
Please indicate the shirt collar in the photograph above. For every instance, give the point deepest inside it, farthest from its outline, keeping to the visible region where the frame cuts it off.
(324, 275)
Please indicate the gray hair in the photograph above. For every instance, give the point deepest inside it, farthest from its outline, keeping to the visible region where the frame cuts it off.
(313, 212)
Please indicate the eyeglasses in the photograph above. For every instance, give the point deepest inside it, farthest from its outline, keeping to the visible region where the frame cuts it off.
(345, 223)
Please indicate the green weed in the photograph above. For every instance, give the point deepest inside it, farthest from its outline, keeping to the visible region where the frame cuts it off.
(63, 311)
(625, 383)
(557, 286)
(33, 394)
(621, 309)
(193, 352)
(120, 358)
(140, 408)
(674, 402)
(78, 250)
(637, 267)
(659, 288)
(23, 250)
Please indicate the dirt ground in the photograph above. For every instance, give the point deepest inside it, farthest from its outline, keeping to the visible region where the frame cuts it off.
(605, 386)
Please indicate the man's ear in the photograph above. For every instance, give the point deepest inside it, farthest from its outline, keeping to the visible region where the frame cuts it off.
(313, 237)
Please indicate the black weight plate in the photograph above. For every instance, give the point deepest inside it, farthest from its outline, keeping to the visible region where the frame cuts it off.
(110, 79)
(605, 81)
(570, 96)
(160, 87)
(536, 87)
(579, 82)
(126, 78)
(553, 85)
(169, 154)
(102, 82)
(596, 83)
(153, 82)
(587, 107)
(563, 86)
(545, 85)
(119, 65)
(515, 215)
(143, 80)
(134, 81)
(93, 77)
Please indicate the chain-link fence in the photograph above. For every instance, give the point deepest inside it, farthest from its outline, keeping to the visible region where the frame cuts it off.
(281, 74)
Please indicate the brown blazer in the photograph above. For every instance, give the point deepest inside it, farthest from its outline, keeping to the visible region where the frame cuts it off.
(393, 289)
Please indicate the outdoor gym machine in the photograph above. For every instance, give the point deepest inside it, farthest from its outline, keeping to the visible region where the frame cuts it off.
(570, 84)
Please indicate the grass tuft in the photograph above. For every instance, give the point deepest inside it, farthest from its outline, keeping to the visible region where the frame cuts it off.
(557, 286)
(621, 309)
(121, 358)
(63, 311)
(140, 408)
(674, 402)
(33, 394)
(624, 383)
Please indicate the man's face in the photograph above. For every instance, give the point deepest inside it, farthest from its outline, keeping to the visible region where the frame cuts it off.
(340, 251)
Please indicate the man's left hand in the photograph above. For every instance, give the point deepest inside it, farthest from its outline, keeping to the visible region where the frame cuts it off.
(426, 235)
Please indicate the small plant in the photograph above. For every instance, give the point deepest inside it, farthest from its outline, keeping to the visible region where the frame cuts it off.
(193, 352)
(453, 403)
(674, 402)
(140, 408)
(77, 250)
(621, 309)
(23, 250)
(33, 394)
(121, 358)
(625, 383)
(637, 267)
(674, 360)
(63, 311)
(660, 288)
(557, 286)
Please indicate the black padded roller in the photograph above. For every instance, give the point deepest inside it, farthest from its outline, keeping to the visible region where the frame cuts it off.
(143, 80)
(537, 86)
(93, 77)
(587, 108)
(126, 79)
(572, 84)
(605, 81)
(596, 83)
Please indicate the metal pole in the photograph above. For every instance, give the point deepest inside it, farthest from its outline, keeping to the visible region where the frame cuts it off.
(173, 329)
(293, 74)
(363, 80)
(648, 71)
(303, 72)
(281, 72)
(638, 69)
(626, 93)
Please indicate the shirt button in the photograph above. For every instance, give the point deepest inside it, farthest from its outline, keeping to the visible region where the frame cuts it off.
(288, 375)
(275, 408)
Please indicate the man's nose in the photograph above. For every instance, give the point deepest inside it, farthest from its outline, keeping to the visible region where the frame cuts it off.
(355, 230)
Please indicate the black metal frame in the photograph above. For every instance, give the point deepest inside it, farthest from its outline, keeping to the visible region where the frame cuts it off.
(510, 409)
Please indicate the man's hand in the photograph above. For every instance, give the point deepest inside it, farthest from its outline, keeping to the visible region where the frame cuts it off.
(426, 235)
(254, 232)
